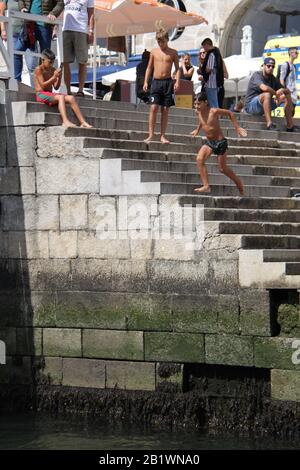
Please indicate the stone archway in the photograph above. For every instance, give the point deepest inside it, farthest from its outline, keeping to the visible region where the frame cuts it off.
(231, 26)
(266, 17)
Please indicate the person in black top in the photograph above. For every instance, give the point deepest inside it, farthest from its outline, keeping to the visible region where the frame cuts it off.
(140, 78)
(265, 93)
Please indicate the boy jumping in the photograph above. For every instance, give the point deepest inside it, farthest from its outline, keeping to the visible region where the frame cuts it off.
(161, 93)
(47, 77)
(216, 143)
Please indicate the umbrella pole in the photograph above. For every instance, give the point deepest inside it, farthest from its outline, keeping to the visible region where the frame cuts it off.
(236, 91)
(94, 62)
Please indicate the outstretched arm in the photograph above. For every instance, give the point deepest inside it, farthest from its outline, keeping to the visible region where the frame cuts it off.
(198, 128)
(224, 112)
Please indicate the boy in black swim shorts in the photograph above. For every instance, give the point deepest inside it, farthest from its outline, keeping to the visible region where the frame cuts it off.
(162, 89)
(216, 142)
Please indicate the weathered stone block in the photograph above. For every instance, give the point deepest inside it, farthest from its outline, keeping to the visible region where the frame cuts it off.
(255, 316)
(27, 180)
(180, 277)
(224, 276)
(30, 212)
(83, 373)
(28, 245)
(67, 176)
(91, 274)
(174, 347)
(169, 376)
(91, 246)
(129, 276)
(73, 212)
(8, 336)
(102, 214)
(130, 375)
(275, 353)
(194, 314)
(21, 143)
(285, 385)
(62, 342)
(9, 180)
(289, 319)
(141, 249)
(52, 372)
(91, 310)
(135, 213)
(51, 275)
(43, 305)
(173, 250)
(63, 244)
(148, 312)
(105, 344)
(29, 341)
(229, 350)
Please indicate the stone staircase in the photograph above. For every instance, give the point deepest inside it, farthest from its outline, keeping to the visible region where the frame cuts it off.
(267, 218)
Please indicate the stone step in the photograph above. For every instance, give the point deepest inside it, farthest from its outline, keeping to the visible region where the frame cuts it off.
(186, 167)
(261, 203)
(193, 178)
(292, 269)
(151, 154)
(276, 171)
(225, 190)
(281, 255)
(142, 108)
(261, 215)
(90, 142)
(262, 242)
(259, 228)
(93, 114)
(178, 138)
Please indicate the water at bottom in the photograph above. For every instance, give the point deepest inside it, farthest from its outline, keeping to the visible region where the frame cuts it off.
(36, 431)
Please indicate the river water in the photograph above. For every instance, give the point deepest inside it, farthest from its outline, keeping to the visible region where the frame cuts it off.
(33, 431)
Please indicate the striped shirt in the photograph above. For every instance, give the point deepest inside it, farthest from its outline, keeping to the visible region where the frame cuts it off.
(211, 64)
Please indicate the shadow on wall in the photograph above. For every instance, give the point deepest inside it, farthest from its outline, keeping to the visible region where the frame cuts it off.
(16, 315)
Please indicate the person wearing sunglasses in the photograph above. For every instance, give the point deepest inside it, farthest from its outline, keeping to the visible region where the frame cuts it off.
(265, 93)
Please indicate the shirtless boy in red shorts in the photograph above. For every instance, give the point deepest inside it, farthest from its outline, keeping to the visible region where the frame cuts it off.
(46, 77)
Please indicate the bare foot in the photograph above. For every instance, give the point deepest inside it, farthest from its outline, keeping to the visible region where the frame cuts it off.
(86, 125)
(148, 140)
(68, 124)
(203, 189)
(164, 140)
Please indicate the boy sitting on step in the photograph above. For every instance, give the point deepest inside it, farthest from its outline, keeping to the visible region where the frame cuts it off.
(216, 143)
(47, 77)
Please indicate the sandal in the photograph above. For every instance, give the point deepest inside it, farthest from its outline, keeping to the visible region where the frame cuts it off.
(80, 94)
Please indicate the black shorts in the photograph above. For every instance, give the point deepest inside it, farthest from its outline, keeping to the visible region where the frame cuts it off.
(218, 147)
(161, 92)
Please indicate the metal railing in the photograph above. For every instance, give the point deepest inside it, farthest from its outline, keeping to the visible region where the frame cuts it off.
(8, 52)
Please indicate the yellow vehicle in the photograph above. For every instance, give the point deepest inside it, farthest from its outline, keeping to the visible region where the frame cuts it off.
(277, 47)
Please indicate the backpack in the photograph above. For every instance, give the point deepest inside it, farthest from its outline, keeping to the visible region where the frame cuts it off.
(219, 66)
(288, 71)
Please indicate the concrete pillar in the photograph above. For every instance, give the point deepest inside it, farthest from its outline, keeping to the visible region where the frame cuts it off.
(247, 42)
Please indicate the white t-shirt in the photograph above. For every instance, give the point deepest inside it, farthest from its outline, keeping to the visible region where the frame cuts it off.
(76, 16)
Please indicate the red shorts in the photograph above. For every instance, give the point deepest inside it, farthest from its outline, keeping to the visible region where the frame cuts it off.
(46, 97)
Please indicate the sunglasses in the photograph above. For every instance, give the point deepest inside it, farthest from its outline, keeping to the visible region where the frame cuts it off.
(270, 66)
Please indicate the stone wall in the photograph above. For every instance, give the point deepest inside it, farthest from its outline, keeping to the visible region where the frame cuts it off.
(81, 310)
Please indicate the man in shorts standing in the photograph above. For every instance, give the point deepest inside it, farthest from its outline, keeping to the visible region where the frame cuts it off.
(78, 33)
(161, 61)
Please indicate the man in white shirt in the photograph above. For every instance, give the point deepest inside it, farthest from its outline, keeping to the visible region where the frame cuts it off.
(78, 30)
